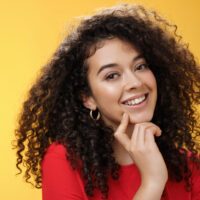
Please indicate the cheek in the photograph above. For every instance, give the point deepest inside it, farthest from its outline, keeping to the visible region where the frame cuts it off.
(151, 81)
(106, 92)
(152, 84)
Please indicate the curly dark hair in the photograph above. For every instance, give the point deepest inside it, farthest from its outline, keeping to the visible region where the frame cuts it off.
(54, 109)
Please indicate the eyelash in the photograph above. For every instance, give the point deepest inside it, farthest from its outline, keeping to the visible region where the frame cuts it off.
(110, 76)
(144, 64)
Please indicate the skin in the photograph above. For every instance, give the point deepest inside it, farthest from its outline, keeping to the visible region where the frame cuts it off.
(127, 76)
(144, 151)
(118, 72)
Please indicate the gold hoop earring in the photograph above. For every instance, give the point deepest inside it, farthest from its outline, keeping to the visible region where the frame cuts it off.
(97, 116)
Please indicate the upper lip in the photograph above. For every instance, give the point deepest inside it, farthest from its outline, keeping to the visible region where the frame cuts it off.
(134, 97)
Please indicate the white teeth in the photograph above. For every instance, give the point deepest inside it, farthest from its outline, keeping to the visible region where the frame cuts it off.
(135, 101)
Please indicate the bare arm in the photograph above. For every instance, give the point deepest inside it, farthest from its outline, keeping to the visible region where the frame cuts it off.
(145, 153)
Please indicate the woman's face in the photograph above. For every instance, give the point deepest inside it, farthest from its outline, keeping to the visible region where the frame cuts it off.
(121, 81)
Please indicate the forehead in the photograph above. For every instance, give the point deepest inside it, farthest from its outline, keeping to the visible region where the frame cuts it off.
(109, 51)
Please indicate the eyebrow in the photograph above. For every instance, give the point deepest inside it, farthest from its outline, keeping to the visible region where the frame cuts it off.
(115, 64)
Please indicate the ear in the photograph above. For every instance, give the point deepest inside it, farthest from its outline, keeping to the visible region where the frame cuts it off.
(89, 102)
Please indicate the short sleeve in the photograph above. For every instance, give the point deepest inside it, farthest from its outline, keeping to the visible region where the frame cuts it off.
(59, 180)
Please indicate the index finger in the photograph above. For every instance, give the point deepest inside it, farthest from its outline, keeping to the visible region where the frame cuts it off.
(120, 133)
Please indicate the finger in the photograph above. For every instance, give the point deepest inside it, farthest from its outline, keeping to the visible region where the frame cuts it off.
(134, 138)
(140, 136)
(120, 133)
(147, 125)
(150, 132)
(123, 125)
(139, 133)
(156, 130)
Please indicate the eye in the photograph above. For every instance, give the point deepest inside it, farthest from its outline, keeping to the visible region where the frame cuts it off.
(142, 66)
(112, 76)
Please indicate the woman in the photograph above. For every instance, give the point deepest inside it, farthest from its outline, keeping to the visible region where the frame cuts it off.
(112, 114)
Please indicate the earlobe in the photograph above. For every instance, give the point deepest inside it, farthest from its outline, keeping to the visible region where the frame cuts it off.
(89, 102)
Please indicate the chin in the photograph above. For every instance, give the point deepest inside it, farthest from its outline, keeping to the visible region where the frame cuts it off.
(134, 120)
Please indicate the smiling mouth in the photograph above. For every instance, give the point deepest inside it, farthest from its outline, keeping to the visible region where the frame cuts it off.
(136, 101)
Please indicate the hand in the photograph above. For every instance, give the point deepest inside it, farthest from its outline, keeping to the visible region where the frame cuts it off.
(144, 151)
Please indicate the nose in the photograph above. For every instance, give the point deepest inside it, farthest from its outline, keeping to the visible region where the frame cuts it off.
(132, 81)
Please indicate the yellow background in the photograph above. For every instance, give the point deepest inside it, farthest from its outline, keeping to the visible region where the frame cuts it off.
(30, 31)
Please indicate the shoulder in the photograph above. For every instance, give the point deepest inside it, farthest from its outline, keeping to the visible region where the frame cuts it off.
(194, 166)
(59, 179)
(55, 159)
(56, 150)
(177, 190)
(195, 179)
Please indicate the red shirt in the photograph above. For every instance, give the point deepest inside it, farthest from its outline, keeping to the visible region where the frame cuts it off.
(61, 182)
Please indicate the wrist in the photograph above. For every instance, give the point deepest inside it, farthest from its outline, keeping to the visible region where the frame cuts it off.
(156, 180)
(153, 185)
(149, 190)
